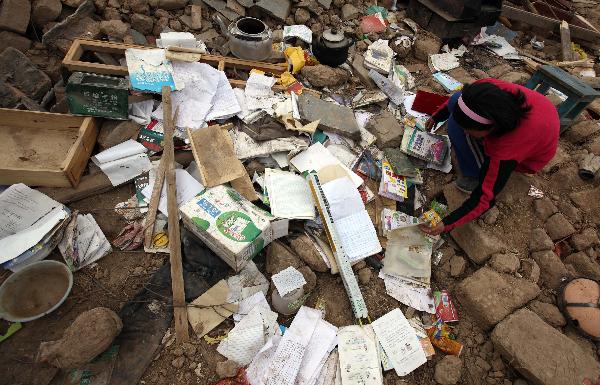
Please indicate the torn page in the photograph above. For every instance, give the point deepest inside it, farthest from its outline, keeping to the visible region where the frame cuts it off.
(257, 370)
(197, 98)
(322, 342)
(329, 370)
(187, 188)
(317, 158)
(246, 339)
(302, 32)
(246, 283)
(343, 198)
(357, 236)
(83, 242)
(288, 280)
(247, 304)
(400, 342)
(409, 292)
(210, 309)
(123, 162)
(359, 361)
(289, 195)
(259, 94)
(225, 103)
(287, 360)
(149, 70)
(245, 147)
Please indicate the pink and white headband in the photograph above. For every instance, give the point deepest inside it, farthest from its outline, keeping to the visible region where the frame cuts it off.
(472, 114)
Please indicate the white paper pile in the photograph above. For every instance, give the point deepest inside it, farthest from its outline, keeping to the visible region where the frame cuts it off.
(245, 147)
(83, 242)
(187, 188)
(320, 159)
(123, 162)
(289, 195)
(28, 223)
(497, 44)
(259, 95)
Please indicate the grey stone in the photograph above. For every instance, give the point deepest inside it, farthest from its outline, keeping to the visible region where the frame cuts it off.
(448, 370)
(138, 37)
(586, 238)
(115, 28)
(79, 24)
(335, 118)
(552, 268)
(540, 353)
(490, 296)
(478, 244)
(14, 40)
(558, 227)
(279, 9)
(325, 76)
(14, 15)
(530, 270)
(588, 202)
(325, 3)
(544, 208)
(349, 11)
(548, 313)
(17, 70)
(539, 240)
(386, 129)
(570, 211)
(505, 263)
(142, 23)
(584, 266)
(359, 70)
(45, 11)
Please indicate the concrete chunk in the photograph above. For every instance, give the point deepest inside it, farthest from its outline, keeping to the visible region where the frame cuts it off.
(335, 118)
(542, 354)
(386, 129)
(490, 296)
(476, 242)
(279, 9)
(552, 268)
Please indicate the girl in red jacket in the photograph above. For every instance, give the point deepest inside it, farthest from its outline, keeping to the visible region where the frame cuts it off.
(495, 128)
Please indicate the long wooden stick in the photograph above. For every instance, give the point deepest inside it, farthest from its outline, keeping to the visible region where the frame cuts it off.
(159, 179)
(180, 310)
(565, 42)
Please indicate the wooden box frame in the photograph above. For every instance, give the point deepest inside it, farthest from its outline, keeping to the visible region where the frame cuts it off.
(75, 159)
(73, 60)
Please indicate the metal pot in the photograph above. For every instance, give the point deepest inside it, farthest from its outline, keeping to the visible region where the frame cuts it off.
(249, 38)
(331, 48)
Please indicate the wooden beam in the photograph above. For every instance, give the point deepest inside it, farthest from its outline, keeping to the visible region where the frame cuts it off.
(89, 185)
(565, 41)
(547, 23)
(179, 305)
(150, 220)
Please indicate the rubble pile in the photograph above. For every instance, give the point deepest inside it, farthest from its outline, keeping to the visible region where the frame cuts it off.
(254, 221)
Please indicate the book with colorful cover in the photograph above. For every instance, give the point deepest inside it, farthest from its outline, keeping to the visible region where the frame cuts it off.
(424, 145)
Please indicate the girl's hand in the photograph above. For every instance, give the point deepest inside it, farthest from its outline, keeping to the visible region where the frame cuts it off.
(429, 124)
(435, 230)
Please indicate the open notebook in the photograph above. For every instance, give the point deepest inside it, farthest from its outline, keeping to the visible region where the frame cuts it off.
(353, 225)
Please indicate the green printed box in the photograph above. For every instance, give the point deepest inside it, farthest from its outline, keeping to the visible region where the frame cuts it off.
(230, 225)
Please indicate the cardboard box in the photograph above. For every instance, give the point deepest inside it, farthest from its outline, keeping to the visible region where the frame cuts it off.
(231, 226)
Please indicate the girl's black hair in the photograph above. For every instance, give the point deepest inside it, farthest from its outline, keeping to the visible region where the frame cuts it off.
(505, 109)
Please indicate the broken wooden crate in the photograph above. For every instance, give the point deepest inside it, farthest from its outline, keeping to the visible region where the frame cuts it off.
(44, 149)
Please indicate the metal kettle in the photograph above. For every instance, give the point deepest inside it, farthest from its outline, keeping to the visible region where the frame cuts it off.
(331, 48)
(249, 38)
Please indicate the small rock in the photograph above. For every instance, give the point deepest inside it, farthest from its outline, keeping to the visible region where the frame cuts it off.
(364, 275)
(178, 362)
(307, 252)
(349, 11)
(301, 16)
(552, 268)
(505, 263)
(457, 265)
(586, 238)
(324, 76)
(115, 28)
(491, 216)
(386, 129)
(530, 270)
(45, 11)
(359, 265)
(14, 15)
(14, 40)
(539, 240)
(548, 313)
(448, 370)
(584, 266)
(175, 25)
(280, 257)
(138, 6)
(142, 23)
(426, 45)
(558, 227)
(189, 350)
(544, 208)
(198, 369)
(498, 364)
(226, 369)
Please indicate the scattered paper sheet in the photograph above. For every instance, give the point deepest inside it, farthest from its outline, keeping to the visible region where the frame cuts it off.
(504, 50)
(258, 92)
(26, 217)
(246, 339)
(258, 369)
(318, 158)
(357, 349)
(343, 198)
(187, 188)
(408, 253)
(288, 280)
(443, 62)
(149, 69)
(379, 57)
(400, 342)
(123, 162)
(392, 220)
(246, 147)
(210, 309)
(289, 195)
(225, 103)
(141, 112)
(288, 357)
(197, 98)
(358, 236)
(329, 370)
(322, 342)
(83, 242)
(409, 292)
(177, 39)
(247, 304)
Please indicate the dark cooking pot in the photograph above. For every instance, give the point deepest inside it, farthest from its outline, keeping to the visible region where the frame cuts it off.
(331, 48)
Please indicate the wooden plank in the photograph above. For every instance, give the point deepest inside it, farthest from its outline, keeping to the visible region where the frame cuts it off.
(179, 306)
(89, 185)
(79, 154)
(547, 23)
(565, 42)
(154, 201)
